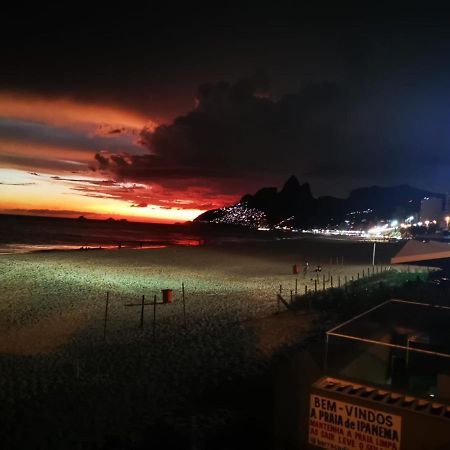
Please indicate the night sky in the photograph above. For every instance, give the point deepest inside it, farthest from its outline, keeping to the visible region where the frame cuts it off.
(161, 113)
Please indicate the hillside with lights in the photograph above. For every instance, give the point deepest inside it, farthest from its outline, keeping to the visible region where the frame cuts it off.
(372, 210)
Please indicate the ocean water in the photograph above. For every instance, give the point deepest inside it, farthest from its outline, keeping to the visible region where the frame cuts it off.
(20, 234)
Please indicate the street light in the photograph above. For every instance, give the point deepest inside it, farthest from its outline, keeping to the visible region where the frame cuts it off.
(447, 220)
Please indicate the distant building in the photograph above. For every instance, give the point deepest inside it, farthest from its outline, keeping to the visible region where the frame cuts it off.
(386, 383)
(431, 208)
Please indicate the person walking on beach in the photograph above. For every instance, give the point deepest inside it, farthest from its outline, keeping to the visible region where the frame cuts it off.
(305, 269)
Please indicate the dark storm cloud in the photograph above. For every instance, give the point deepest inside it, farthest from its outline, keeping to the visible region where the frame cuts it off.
(236, 132)
(325, 130)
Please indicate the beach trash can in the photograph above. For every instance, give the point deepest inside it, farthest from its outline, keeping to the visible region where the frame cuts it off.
(166, 295)
(295, 269)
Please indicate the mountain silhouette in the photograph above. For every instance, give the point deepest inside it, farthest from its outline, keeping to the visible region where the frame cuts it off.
(295, 201)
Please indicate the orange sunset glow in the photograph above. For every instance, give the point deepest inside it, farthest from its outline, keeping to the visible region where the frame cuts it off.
(47, 164)
(52, 198)
(66, 112)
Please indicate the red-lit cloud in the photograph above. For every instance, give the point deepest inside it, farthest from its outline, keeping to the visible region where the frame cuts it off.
(140, 195)
(235, 139)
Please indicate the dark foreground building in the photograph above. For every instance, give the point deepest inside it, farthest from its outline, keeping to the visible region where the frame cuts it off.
(386, 383)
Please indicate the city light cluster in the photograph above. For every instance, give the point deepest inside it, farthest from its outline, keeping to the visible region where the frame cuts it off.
(241, 214)
(354, 213)
(383, 229)
(357, 224)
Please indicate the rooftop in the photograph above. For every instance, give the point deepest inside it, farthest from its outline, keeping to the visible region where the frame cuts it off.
(399, 345)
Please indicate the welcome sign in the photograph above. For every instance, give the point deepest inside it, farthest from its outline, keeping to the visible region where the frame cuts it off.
(337, 425)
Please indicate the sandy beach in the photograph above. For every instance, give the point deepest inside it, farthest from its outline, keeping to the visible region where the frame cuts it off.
(234, 282)
(57, 365)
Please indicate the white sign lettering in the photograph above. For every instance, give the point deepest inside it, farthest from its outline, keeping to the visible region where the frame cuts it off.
(337, 425)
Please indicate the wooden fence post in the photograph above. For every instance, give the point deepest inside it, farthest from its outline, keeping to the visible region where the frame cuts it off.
(106, 315)
(154, 317)
(184, 305)
(142, 311)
